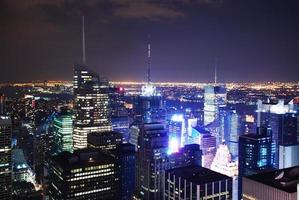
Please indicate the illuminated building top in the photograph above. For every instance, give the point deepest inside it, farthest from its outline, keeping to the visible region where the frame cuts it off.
(279, 108)
(223, 163)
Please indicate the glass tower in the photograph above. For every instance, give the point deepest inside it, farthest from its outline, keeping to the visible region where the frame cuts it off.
(91, 105)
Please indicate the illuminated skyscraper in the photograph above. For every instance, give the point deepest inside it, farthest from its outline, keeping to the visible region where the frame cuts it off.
(223, 163)
(63, 132)
(254, 154)
(231, 130)
(151, 160)
(214, 98)
(196, 183)
(207, 144)
(282, 119)
(91, 105)
(149, 106)
(5, 158)
(177, 132)
(84, 174)
(104, 140)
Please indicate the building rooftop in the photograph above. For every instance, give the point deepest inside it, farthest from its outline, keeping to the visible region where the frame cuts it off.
(283, 179)
(197, 175)
(82, 158)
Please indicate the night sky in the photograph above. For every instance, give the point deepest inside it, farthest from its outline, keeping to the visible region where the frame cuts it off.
(253, 40)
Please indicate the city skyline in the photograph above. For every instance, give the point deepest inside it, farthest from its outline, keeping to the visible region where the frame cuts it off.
(252, 41)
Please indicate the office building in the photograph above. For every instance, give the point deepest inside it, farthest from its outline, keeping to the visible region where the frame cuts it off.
(5, 158)
(21, 171)
(189, 155)
(275, 185)
(254, 154)
(223, 162)
(104, 140)
(84, 174)
(151, 159)
(91, 106)
(282, 119)
(126, 157)
(119, 113)
(196, 183)
(63, 132)
(231, 130)
(177, 132)
(288, 156)
(207, 144)
(214, 98)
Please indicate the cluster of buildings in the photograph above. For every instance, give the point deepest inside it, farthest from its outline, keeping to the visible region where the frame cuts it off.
(101, 147)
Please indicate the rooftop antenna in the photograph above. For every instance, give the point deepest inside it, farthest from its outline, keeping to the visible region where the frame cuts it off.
(149, 60)
(83, 42)
(215, 72)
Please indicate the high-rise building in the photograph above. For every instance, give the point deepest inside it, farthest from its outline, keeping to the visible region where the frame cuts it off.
(275, 185)
(254, 154)
(84, 174)
(189, 155)
(91, 106)
(207, 144)
(177, 132)
(223, 162)
(149, 106)
(231, 131)
(196, 183)
(63, 132)
(21, 171)
(126, 156)
(214, 98)
(104, 140)
(283, 121)
(119, 113)
(5, 158)
(151, 159)
(288, 156)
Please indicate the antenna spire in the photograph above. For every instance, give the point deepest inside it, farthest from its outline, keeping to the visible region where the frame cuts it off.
(215, 72)
(83, 42)
(149, 60)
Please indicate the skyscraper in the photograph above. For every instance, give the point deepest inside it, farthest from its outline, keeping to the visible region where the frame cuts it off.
(207, 144)
(177, 132)
(231, 130)
(282, 119)
(126, 156)
(151, 160)
(214, 98)
(63, 132)
(275, 185)
(91, 105)
(196, 182)
(254, 154)
(5, 158)
(84, 174)
(104, 140)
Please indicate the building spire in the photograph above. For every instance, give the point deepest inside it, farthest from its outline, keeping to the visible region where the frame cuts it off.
(149, 61)
(83, 42)
(215, 72)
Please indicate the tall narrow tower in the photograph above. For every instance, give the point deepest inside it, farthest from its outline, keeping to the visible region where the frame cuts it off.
(149, 62)
(83, 42)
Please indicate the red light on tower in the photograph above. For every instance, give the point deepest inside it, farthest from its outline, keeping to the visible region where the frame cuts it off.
(121, 89)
